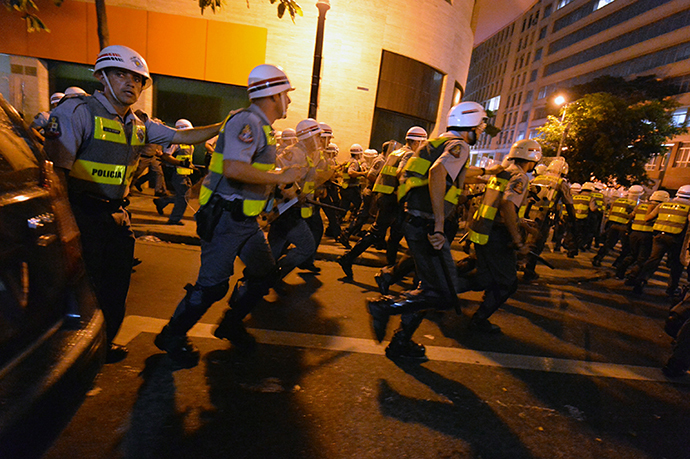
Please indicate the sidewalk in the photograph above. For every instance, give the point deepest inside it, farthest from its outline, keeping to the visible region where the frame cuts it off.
(147, 222)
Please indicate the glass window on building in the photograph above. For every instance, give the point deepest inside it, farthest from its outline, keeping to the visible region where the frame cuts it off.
(542, 32)
(542, 93)
(521, 135)
(494, 103)
(525, 115)
(533, 75)
(680, 116)
(537, 54)
(562, 3)
(409, 94)
(602, 3)
(547, 10)
(683, 155)
(529, 96)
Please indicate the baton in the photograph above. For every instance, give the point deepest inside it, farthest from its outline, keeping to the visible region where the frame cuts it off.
(325, 206)
(539, 258)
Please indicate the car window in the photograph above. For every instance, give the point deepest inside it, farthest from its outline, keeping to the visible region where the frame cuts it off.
(18, 165)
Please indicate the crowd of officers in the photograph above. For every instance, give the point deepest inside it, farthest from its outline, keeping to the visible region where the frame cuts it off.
(262, 197)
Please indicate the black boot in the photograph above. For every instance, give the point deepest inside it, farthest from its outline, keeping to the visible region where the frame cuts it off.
(345, 263)
(402, 347)
(180, 350)
(234, 331)
(385, 306)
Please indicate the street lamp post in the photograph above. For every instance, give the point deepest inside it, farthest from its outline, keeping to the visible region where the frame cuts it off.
(560, 100)
(323, 6)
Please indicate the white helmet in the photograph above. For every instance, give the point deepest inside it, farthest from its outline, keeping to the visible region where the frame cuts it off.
(370, 154)
(307, 128)
(683, 192)
(332, 149)
(41, 119)
(575, 188)
(540, 169)
(74, 91)
(588, 186)
(122, 57)
(635, 191)
(466, 115)
(660, 196)
(56, 97)
(183, 124)
(288, 134)
(416, 133)
(356, 149)
(326, 130)
(266, 80)
(558, 166)
(526, 149)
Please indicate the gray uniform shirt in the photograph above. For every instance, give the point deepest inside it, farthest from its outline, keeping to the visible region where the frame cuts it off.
(75, 125)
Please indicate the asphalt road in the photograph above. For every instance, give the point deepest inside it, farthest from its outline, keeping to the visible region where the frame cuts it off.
(574, 375)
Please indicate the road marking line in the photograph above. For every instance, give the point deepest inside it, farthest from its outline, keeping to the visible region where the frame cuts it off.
(134, 325)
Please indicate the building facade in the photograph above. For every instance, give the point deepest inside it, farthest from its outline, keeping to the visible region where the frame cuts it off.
(386, 65)
(557, 44)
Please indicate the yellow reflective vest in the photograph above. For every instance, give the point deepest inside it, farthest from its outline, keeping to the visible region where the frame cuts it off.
(107, 160)
(672, 217)
(483, 219)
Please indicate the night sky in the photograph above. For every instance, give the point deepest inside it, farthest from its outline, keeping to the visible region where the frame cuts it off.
(495, 14)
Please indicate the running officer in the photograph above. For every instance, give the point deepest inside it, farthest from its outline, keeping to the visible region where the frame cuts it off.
(433, 178)
(241, 180)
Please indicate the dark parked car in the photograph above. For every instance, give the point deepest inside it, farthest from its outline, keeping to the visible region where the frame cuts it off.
(52, 339)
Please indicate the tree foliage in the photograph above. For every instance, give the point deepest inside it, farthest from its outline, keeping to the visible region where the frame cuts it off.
(28, 11)
(609, 137)
(290, 6)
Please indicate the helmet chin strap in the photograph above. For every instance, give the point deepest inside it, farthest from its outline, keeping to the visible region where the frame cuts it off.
(283, 105)
(471, 137)
(107, 82)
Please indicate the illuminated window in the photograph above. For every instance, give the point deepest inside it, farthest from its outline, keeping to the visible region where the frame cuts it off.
(562, 3)
(680, 117)
(683, 156)
(602, 3)
(494, 103)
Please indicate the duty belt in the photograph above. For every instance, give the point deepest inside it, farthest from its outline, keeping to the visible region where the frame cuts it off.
(93, 201)
(418, 222)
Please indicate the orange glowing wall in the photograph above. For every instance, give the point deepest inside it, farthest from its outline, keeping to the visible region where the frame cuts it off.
(172, 45)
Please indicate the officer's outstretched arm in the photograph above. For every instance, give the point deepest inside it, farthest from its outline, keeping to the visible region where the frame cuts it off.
(196, 135)
(245, 172)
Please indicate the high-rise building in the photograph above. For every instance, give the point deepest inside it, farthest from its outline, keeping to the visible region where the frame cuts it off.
(557, 44)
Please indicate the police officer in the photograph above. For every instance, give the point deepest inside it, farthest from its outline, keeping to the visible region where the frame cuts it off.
(618, 223)
(584, 204)
(678, 327)
(551, 190)
(241, 180)
(290, 237)
(496, 234)
(640, 239)
(389, 213)
(354, 170)
(432, 178)
(669, 231)
(96, 141)
(178, 163)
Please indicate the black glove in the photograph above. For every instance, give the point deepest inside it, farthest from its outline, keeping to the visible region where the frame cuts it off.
(185, 162)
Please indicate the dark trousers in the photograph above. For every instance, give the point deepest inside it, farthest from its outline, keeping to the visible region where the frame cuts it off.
(108, 250)
(640, 244)
(663, 244)
(181, 185)
(614, 232)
